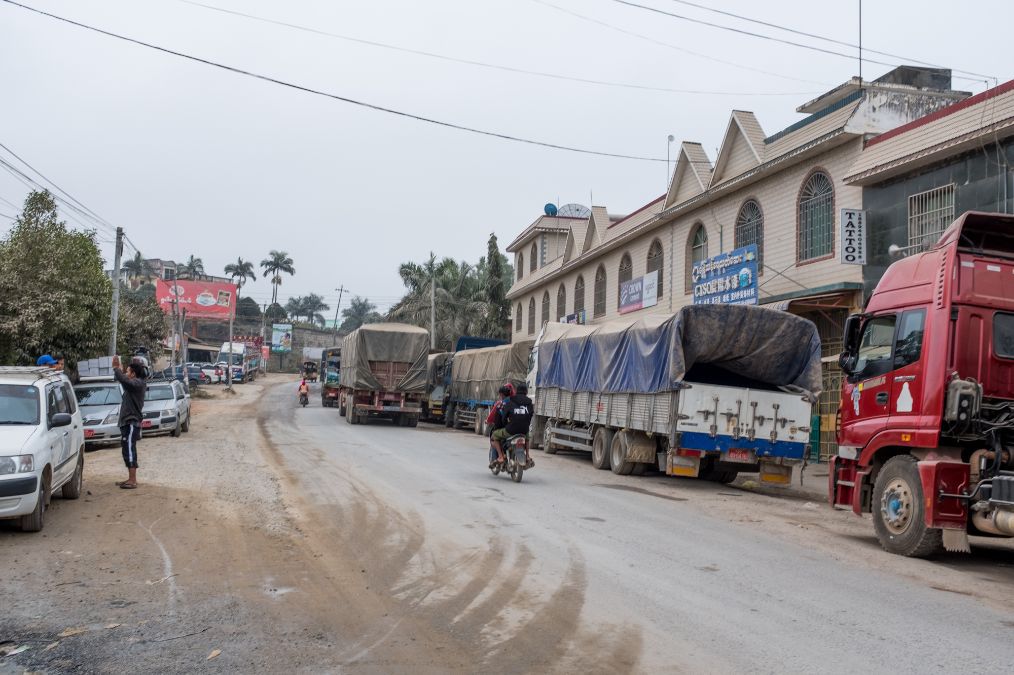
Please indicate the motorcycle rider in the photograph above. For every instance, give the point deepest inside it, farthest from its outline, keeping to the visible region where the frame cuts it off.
(518, 413)
(304, 390)
(495, 420)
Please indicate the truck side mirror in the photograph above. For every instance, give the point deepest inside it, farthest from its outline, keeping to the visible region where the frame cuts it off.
(847, 362)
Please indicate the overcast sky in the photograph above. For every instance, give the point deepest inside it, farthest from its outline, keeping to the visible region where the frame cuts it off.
(190, 159)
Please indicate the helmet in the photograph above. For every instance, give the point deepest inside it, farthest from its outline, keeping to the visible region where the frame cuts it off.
(505, 391)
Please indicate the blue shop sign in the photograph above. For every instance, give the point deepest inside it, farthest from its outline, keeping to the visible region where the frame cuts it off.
(727, 279)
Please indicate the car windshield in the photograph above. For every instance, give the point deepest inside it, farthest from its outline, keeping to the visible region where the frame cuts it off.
(161, 393)
(104, 395)
(19, 404)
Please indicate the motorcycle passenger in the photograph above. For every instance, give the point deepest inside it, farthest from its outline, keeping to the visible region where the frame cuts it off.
(495, 420)
(518, 418)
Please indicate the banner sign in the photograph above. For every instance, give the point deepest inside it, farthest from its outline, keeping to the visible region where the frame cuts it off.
(200, 299)
(577, 317)
(281, 338)
(853, 237)
(727, 279)
(639, 293)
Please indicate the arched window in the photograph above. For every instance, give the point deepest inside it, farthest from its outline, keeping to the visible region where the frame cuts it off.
(816, 218)
(600, 291)
(579, 295)
(545, 308)
(521, 265)
(750, 229)
(656, 258)
(561, 301)
(531, 316)
(517, 319)
(533, 264)
(697, 251)
(626, 274)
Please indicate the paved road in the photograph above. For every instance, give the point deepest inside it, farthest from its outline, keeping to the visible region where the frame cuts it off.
(578, 568)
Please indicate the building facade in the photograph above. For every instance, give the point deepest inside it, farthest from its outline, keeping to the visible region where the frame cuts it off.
(782, 192)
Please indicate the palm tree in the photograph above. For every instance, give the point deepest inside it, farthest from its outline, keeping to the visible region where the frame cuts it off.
(136, 267)
(456, 290)
(359, 311)
(193, 267)
(239, 272)
(313, 305)
(276, 263)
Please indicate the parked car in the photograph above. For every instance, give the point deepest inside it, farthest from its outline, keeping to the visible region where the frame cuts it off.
(215, 373)
(194, 375)
(99, 400)
(166, 408)
(41, 443)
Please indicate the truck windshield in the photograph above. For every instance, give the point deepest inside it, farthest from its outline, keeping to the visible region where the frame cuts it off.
(236, 360)
(19, 404)
(104, 395)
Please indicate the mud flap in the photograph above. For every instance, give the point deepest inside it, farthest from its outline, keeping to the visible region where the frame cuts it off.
(956, 541)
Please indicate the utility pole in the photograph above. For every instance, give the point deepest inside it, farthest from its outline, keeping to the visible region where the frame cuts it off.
(340, 289)
(228, 367)
(433, 311)
(116, 288)
(263, 339)
(172, 358)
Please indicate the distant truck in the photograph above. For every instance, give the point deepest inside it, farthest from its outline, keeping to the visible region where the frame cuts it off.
(710, 392)
(477, 374)
(926, 440)
(383, 373)
(330, 376)
(243, 358)
(438, 384)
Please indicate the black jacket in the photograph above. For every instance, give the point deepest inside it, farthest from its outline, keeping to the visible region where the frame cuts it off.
(133, 398)
(518, 412)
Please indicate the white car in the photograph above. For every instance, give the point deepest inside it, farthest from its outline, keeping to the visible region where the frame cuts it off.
(41, 443)
(166, 408)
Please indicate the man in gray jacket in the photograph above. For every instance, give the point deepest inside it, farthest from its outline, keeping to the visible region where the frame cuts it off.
(131, 406)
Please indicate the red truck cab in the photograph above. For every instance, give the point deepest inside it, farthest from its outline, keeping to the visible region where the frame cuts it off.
(927, 409)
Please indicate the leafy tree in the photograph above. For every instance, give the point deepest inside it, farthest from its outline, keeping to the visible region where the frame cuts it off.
(276, 263)
(275, 313)
(54, 295)
(295, 307)
(239, 272)
(145, 290)
(137, 267)
(248, 308)
(142, 323)
(193, 267)
(359, 311)
(495, 278)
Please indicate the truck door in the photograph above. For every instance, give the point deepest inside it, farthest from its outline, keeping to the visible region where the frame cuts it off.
(906, 378)
(866, 394)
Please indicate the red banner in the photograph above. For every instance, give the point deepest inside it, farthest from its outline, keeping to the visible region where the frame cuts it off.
(202, 299)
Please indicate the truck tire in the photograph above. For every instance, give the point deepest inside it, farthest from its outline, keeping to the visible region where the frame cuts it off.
(618, 455)
(547, 432)
(480, 420)
(413, 421)
(350, 416)
(601, 444)
(899, 511)
(72, 488)
(449, 416)
(341, 409)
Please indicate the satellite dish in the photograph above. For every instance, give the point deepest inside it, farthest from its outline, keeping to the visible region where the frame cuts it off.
(550, 209)
(575, 211)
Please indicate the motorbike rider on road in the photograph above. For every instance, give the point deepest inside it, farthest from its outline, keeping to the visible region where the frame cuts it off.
(496, 421)
(517, 418)
(304, 390)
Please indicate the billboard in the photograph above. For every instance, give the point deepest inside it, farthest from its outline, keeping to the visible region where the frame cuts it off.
(281, 338)
(639, 293)
(576, 317)
(200, 299)
(727, 279)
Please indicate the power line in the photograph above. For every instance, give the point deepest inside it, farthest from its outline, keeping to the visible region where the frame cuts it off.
(337, 97)
(820, 37)
(668, 45)
(493, 66)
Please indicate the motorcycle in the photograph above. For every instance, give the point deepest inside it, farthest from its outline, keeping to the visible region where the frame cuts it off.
(304, 399)
(515, 462)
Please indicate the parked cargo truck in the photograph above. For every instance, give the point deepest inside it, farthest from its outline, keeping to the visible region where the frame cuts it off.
(383, 373)
(330, 374)
(438, 384)
(927, 408)
(477, 374)
(710, 392)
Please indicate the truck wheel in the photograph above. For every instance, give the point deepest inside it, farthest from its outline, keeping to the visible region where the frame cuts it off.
(618, 455)
(480, 419)
(350, 416)
(341, 409)
(34, 521)
(547, 432)
(899, 511)
(72, 488)
(413, 420)
(601, 444)
(449, 417)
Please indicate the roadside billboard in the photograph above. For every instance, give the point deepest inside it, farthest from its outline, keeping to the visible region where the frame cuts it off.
(727, 279)
(639, 293)
(281, 338)
(200, 299)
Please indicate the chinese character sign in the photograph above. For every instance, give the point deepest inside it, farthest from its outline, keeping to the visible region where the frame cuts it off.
(727, 279)
(853, 237)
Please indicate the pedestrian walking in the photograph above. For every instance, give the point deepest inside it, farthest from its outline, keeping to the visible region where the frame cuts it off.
(131, 405)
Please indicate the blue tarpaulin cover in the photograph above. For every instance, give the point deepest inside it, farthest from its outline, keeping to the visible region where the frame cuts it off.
(655, 353)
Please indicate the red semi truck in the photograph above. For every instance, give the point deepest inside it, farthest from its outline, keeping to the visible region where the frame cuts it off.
(927, 408)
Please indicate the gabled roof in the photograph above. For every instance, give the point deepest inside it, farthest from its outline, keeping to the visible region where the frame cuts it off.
(597, 226)
(542, 224)
(743, 138)
(692, 174)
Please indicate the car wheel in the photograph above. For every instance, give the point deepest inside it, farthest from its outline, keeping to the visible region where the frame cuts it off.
(178, 429)
(34, 521)
(186, 425)
(72, 488)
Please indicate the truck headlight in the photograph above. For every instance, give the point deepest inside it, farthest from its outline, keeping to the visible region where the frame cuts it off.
(16, 464)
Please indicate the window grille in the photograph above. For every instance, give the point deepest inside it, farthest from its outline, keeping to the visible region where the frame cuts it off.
(929, 214)
(600, 291)
(545, 307)
(517, 320)
(579, 295)
(750, 229)
(656, 260)
(531, 316)
(533, 264)
(816, 218)
(561, 302)
(697, 250)
(626, 274)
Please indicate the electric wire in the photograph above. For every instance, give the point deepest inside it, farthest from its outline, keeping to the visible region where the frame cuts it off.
(337, 97)
(70, 209)
(821, 37)
(493, 66)
(669, 45)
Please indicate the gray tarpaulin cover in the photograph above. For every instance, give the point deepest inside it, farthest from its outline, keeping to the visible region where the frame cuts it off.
(436, 369)
(655, 353)
(477, 374)
(391, 342)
